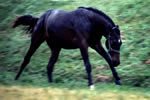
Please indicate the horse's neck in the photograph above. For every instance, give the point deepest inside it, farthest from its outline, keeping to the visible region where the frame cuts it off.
(103, 25)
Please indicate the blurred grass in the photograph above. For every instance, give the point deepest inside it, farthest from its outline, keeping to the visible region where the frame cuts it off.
(34, 93)
(132, 16)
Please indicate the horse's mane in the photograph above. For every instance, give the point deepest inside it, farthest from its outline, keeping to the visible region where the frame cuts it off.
(101, 13)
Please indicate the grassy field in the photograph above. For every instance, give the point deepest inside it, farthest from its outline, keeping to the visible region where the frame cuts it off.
(70, 78)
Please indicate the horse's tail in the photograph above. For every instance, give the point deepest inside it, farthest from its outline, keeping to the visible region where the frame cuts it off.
(26, 20)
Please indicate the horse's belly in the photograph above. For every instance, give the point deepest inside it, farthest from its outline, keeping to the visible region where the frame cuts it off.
(68, 45)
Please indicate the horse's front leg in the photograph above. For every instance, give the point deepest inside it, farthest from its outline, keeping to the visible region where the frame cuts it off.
(98, 47)
(52, 61)
(84, 53)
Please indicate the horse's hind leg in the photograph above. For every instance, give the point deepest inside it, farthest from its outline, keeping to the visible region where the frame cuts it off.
(35, 43)
(52, 61)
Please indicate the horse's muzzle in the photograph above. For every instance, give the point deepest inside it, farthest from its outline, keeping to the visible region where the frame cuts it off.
(115, 63)
(115, 59)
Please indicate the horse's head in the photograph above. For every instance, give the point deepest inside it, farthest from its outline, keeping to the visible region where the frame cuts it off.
(113, 44)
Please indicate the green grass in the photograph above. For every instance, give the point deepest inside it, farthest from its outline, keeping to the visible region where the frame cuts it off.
(132, 16)
(49, 93)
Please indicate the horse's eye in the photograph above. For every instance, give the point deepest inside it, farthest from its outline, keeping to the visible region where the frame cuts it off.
(119, 41)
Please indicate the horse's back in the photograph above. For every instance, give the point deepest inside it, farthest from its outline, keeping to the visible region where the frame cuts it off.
(58, 20)
(66, 19)
(63, 27)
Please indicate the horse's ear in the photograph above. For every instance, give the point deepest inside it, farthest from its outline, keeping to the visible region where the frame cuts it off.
(117, 26)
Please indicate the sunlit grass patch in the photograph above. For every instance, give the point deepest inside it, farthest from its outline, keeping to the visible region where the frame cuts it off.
(30, 93)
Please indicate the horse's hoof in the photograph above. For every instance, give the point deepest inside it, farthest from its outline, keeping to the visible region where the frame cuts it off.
(118, 82)
(92, 87)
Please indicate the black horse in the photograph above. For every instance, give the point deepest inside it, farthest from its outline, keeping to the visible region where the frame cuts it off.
(81, 28)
